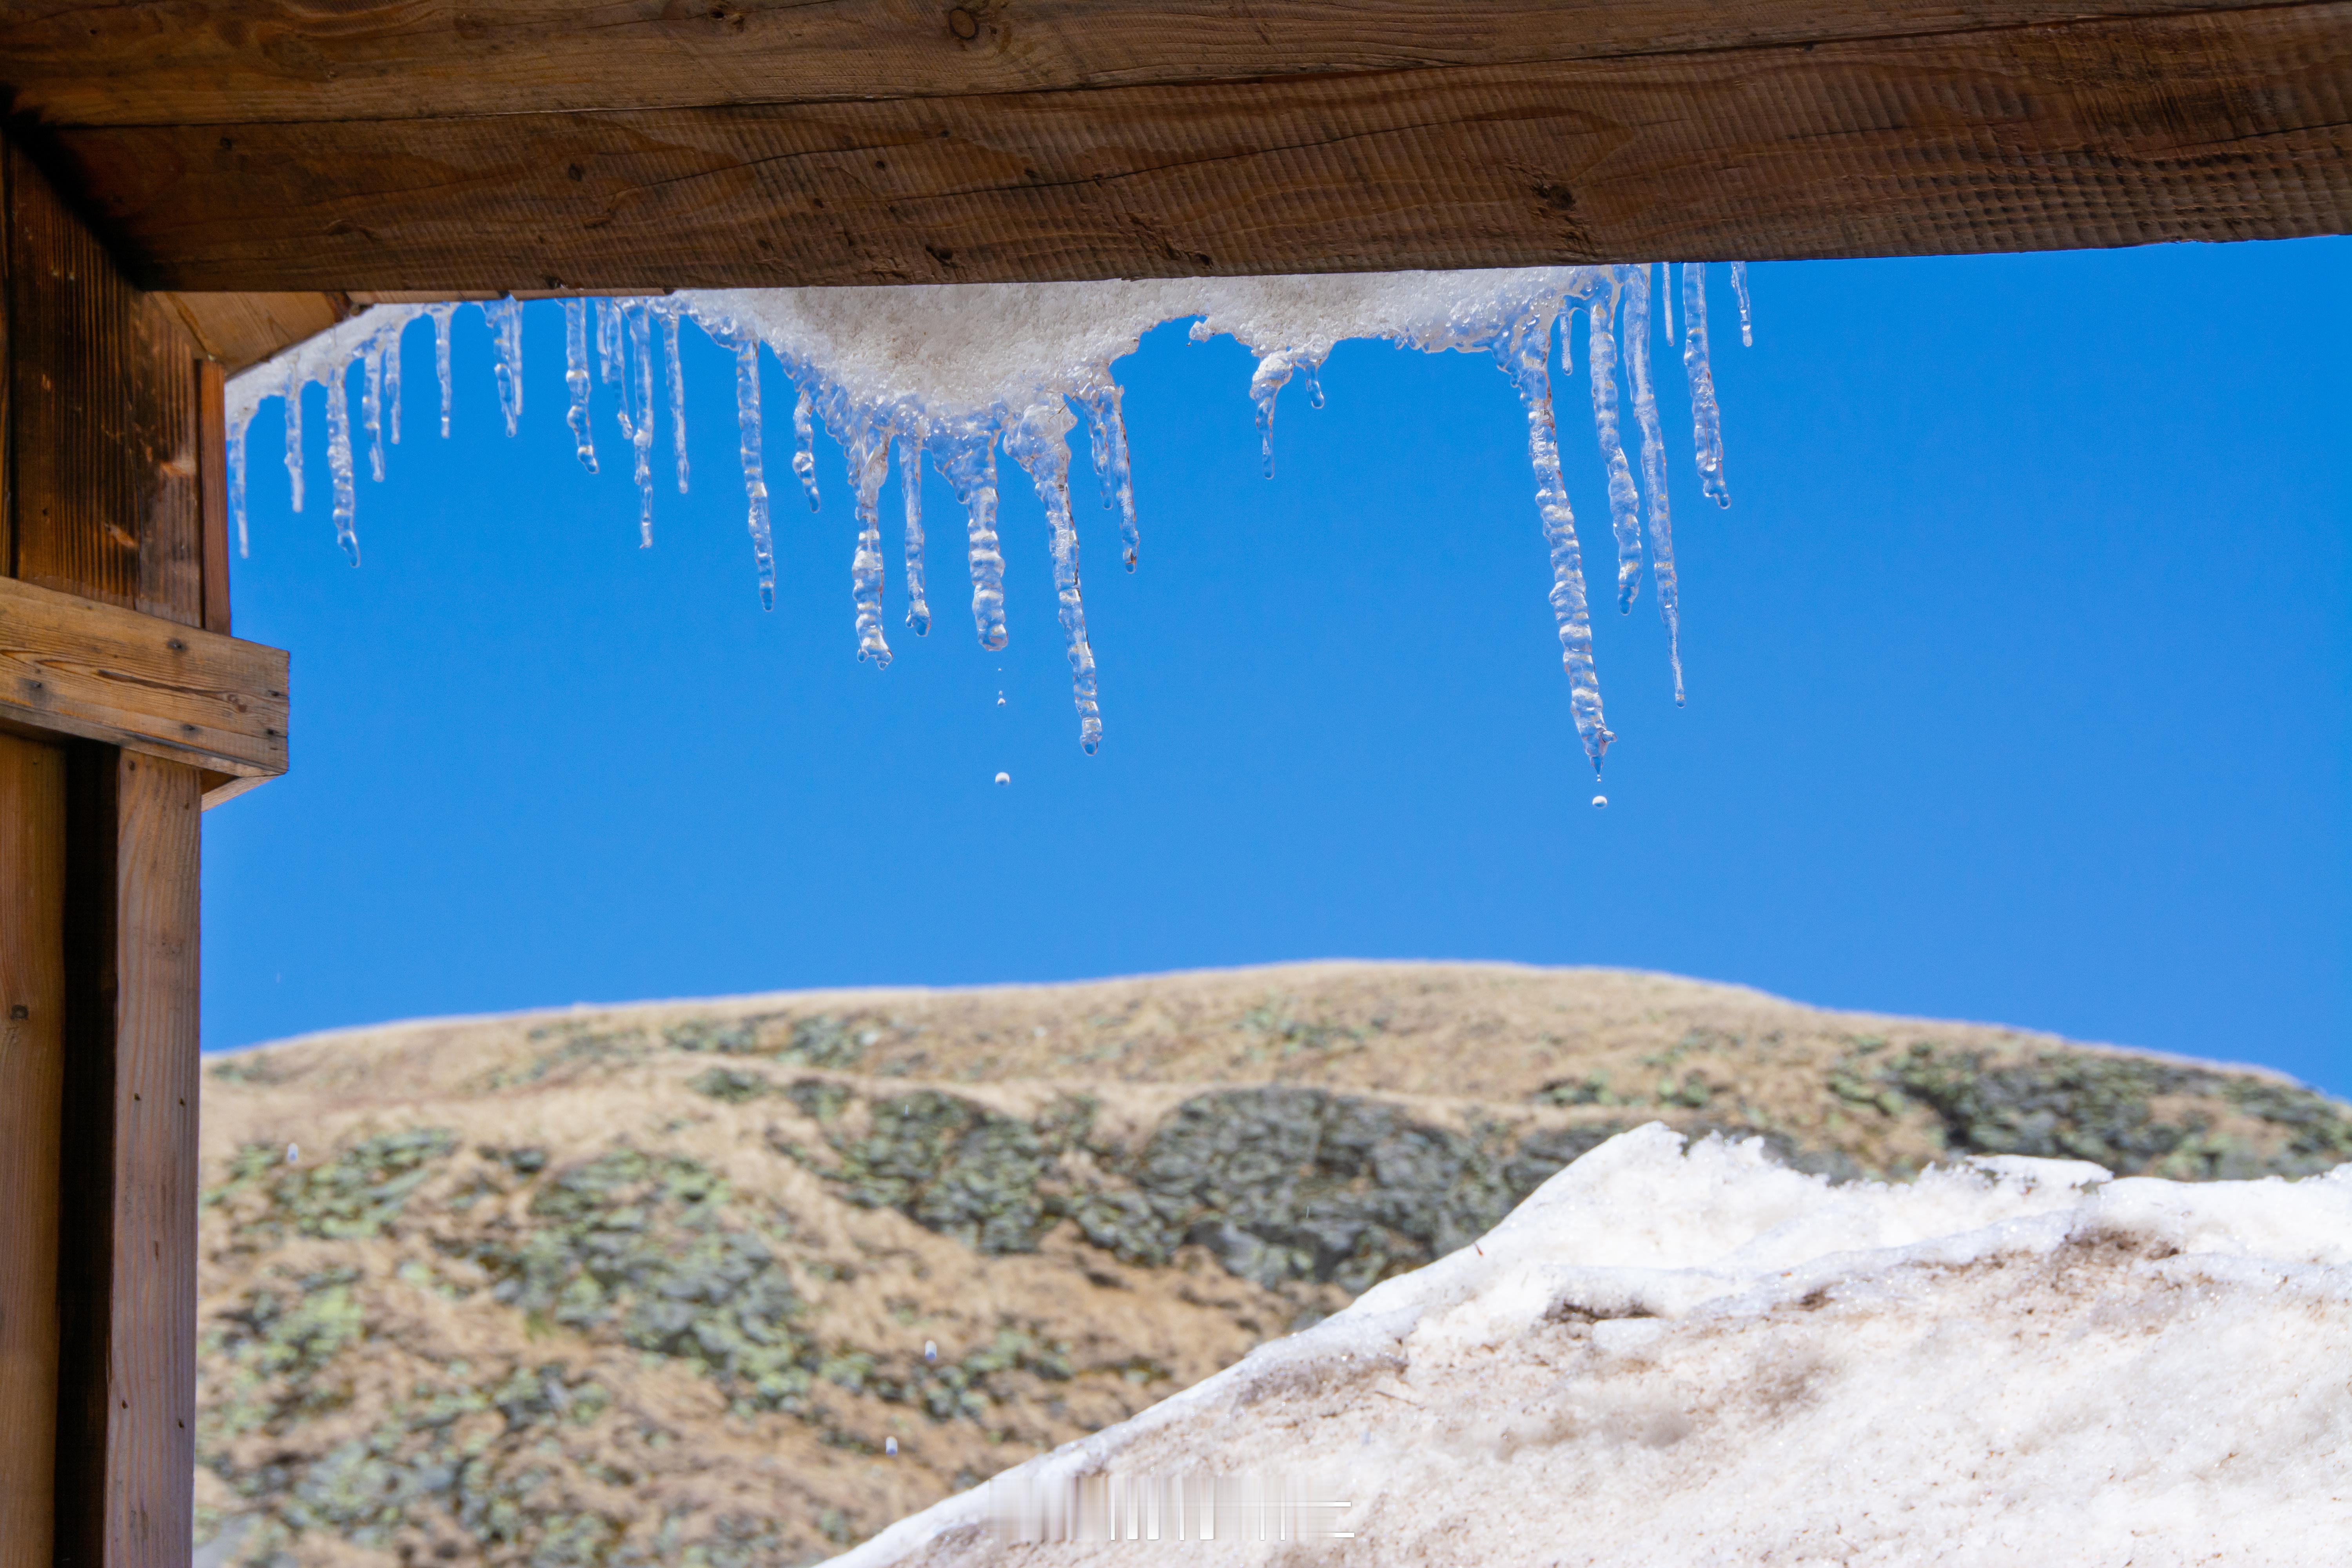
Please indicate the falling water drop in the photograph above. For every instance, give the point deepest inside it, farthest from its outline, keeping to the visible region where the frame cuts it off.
(890, 1446)
(1600, 803)
(293, 1152)
(1005, 778)
(931, 1349)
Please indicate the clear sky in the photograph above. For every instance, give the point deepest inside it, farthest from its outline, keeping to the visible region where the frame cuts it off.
(2019, 669)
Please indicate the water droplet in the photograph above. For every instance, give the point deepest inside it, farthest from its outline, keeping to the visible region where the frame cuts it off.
(1005, 778)
(1599, 803)
(890, 1446)
(293, 1153)
(930, 1351)
(1000, 699)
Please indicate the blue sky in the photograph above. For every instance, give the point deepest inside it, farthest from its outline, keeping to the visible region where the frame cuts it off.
(2019, 669)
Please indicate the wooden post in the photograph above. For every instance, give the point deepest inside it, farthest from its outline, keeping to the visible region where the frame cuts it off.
(32, 1061)
(101, 497)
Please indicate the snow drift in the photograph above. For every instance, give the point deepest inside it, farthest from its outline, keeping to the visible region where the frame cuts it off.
(1679, 1356)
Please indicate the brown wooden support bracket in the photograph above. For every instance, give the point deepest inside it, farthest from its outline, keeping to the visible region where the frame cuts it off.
(71, 665)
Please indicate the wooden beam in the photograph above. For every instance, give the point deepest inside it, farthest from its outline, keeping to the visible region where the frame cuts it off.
(126, 1286)
(32, 1068)
(101, 499)
(341, 152)
(240, 331)
(71, 665)
(145, 62)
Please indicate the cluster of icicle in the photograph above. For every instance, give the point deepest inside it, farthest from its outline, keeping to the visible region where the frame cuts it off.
(955, 373)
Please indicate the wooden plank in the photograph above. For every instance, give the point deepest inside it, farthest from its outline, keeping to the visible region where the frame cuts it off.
(243, 329)
(7, 425)
(32, 1068)
(77, 666)
(126, 1452)
(103, 411)
(212, 491)
(2202, 126)
(146, 62)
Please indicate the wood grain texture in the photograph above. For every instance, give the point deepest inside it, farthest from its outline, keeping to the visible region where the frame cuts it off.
(77, 666)
(243, 329)
(212, 491)
(32, 1068)
(126, 1453)
(2208, 126)
(146, 62)
(150, 1455)
(103, 411)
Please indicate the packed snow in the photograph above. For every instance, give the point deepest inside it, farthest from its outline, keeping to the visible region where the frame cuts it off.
(954, 373)
(1673, 1355)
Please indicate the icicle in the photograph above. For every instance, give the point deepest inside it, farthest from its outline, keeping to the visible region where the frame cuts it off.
(339, 462)
(294, 433)
(970, 467)
(1624, 500)
(1039, 442)
(755, 478)
(372, 410)
(804, 446)
(1665, 294)
(633, 316)
(1739, 287)
(237, 489)
(911, 487)
(1308, 369)
(1706, 420)
(1634, 282)
(1108, 431)
(392, 373)
(869, 467)
(670, 313)
(505, 317)
(609, 348)
(577, 381)
(441, 315)
(1525, 356)
(1273, 374)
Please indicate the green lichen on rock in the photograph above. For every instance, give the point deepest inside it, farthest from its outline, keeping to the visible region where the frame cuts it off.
(953, 1166)
(273, 1350)
(731, 1086)
(654, 1247)
(1287, 1184)
(354, 1194)
(821, 1041)
(2133, 1115)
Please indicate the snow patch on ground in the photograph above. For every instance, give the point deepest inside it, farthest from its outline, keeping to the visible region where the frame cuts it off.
(1678, 1355)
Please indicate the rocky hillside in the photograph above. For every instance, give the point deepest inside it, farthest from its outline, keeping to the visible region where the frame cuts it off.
(737, 1283)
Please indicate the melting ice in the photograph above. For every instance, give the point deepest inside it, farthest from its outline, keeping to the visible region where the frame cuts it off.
(955, 373)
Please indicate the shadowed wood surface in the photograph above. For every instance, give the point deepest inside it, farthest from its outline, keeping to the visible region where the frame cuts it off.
(103, 407)
(75, 666)
(257, 146)
(32, 1066)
